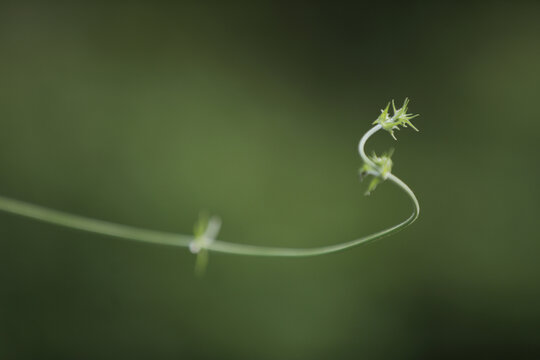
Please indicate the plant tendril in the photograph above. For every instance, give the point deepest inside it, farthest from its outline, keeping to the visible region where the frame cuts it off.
(202, 241)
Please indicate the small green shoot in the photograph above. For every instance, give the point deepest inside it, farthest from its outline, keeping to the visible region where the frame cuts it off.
(379, 167)
(205, 232)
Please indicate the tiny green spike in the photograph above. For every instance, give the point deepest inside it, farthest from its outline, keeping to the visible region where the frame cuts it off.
(201, 224)
(385, 112)
(383, 116)
(201, 263)
(372, 185)
(411, 125)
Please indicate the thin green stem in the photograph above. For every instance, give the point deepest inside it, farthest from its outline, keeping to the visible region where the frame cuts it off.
(239, 249)
(92, 225)
(163, 238)
(362, 144)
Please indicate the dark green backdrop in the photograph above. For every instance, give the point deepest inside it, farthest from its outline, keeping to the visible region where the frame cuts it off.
(146, 113)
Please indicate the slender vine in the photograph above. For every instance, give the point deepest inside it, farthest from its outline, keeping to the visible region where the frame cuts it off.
(207, 228)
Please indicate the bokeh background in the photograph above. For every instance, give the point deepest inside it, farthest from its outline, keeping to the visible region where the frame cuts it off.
(145, 113)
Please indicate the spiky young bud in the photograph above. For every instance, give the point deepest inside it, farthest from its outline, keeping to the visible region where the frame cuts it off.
(379, 167)
(399, 118)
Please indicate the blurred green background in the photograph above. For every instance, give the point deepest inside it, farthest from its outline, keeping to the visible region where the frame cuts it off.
(145, 113)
